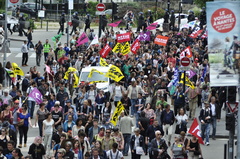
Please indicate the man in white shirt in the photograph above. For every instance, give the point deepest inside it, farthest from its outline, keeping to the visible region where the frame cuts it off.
(24, 51)
(215, 108)
(114, 153)
(1, 35)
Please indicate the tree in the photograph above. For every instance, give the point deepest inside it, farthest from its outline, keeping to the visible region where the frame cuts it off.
(201, 3)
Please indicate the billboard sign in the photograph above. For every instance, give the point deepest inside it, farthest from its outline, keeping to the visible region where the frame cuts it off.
(223, 23)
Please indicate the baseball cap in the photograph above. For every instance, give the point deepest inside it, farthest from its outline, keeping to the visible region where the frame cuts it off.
(68, 101)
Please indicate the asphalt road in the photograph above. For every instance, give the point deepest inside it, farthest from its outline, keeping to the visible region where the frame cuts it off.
(215, 150)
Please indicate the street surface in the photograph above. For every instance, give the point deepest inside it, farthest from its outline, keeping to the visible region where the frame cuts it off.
(214, 151)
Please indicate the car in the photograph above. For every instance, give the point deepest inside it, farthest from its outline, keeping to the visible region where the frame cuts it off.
(30, 8)
(183, 19)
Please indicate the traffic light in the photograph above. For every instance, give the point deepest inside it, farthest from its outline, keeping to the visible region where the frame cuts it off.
(230, 122)
(65, 8)
(187, 1)
(232, 94)
(114, 8)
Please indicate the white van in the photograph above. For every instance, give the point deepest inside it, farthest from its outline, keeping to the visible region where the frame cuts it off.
(103, 83)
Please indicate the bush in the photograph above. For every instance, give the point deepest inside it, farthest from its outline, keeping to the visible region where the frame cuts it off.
(197, 11)
(92, 8)
(160, 12)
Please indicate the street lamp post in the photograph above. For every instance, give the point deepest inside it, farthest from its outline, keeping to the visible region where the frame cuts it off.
(5, 35)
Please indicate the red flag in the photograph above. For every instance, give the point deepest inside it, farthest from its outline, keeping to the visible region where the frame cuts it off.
(161, 40)
(152, 26)
(115, 24)
(104, 52)
(205, 35)
(123, 37)
(195, 131)
(135, 46)
(195, 33)
(186, 52)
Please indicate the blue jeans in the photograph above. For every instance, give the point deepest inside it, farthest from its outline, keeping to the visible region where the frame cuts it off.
(31, 106)
(205, 128)
(133, 108)
(40, 125)
(214, 125)
(127, 138)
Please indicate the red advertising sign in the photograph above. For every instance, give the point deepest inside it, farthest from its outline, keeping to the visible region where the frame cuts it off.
(100, 7)
(135, 46)
(123, 37)
(223, 20)
(14, 1)
(161, 40)
(104, 52)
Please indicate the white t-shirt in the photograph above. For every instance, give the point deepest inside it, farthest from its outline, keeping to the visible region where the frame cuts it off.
(114, 155)
(180, 118)
(48, 126)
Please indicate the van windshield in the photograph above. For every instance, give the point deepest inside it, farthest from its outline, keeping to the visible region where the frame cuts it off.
(95, 77)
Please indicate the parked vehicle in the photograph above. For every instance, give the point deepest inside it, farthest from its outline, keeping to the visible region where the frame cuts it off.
(182, 16)
(30, 8)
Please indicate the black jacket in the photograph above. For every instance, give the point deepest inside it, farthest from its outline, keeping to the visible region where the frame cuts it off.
(204, 113)
(132, 142)
(154, 147)
(150, 132)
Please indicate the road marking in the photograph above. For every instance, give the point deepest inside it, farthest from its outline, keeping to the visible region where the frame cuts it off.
(32, 56)
(7, 55)
(19, 55)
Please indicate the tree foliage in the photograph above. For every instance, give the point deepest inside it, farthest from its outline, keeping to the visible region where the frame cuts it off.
(201, 3)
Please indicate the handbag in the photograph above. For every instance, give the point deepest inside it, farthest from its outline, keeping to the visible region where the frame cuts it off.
(139, 150)
(20, 122)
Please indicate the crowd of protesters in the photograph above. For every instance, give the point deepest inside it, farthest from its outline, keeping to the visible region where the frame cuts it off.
(71, 125)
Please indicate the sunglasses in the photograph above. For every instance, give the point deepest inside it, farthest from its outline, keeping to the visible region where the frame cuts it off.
(59, 152)
(108, 132)
(158, 134)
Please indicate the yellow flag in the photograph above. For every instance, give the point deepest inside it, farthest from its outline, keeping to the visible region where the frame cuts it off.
(76, 80)
(187, 81)
(17, 70)
(117, 48)
(103, 62)
(114, 73)
(70, 69)
(126, 48)
(94, 70)
(117, 113)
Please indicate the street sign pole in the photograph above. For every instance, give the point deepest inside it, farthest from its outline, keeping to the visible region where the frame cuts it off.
(238, 126)
(5, 35)
(100, 24)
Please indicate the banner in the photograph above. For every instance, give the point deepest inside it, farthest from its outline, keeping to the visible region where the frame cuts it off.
(205, 34)
(135, 46)
(94, 70)
(114, 73)
(186, 52)
(115, 24)
(126, 48)
(144, 36)
(187, 81)
(196, 33)
(223, 42)
(103, 62)
(17, 70)
(48, 70)
(152, 26)
(82, 39)
(117, 113)
(161, 40)
(11, 74)
(195, 131)
(104, 52)
(117, 48)
(57, 37)
(123, 37)
(36, 95)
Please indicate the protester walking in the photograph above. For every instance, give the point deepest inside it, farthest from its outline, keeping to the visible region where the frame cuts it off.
(24, 51)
